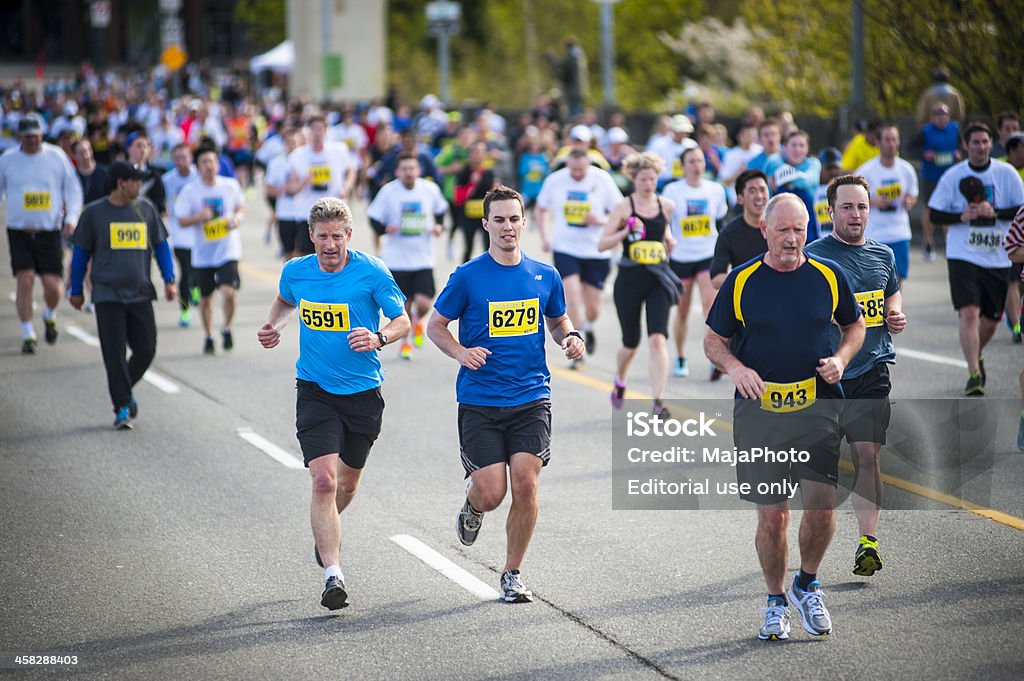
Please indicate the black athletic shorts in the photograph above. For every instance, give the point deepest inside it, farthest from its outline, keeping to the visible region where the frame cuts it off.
(591, 271)
(411, 282)
(41, 252)
(209, 279)
(303, 244)
(286, 233)
(814, 430)
(490, 435)
(971, 284)
(326, 423)
(637, 288)
(689, 270)
(1015, 273)
(867, 410)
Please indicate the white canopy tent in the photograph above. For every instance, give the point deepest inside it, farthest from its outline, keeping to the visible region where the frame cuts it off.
(280, 59)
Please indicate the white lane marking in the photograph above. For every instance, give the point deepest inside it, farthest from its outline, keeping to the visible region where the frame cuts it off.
(929, 357)
(445, 566)
(270, 449)
(157, 379)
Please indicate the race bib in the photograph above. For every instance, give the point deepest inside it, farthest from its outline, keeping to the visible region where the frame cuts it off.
(890, 192)
(514, 317)
(821, 212)
(647, 252)
(36, 201)
(982, 240)
(320, 176)
(324, 316)
(695, 225)
(412, 224)
(677, 168)
(576, 213)
(128, 236)
(788, 397)
(944, 158)
(535, 175)
(475, 209)
(872, 304)
(215, 229)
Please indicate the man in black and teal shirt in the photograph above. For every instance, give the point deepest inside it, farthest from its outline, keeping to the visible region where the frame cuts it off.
(340, 294)
(871, 269)
(504, 385)
(769, 330)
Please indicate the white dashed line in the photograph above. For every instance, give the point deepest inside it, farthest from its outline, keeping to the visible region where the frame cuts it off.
(445, 566)
(929, 357)
(82, 335)
(270, 449)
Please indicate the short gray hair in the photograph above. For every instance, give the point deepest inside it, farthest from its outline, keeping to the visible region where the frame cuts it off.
(785, 197)
(330, 209)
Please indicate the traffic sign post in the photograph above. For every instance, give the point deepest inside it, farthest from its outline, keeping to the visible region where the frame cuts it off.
(443, 19)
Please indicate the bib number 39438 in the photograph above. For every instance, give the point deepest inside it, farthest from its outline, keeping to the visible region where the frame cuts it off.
(324, 316)
(787, 397)
(514, 317)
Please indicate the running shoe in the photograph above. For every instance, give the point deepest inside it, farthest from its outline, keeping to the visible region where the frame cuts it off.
(228, 342)
(406, 352)
(417, 335)
(866, 561)
(185, 319)
(28, 346)
(776, 621)
(618, 395)
(589, 340)
(1017, 339)
(715, 374)
(811, 605)
(929, 253)
(123, 419)
(981, 370)
(133, 407)
(661, 411)
(194, 293)
(51, 331)
(512, 588)
(1020, 433)
(467, 523)
(208, 347)
(681, 369)
(334, 597)
(975, 386)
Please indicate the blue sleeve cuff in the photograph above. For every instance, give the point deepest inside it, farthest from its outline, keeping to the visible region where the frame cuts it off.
(165, 261)
(79, 261)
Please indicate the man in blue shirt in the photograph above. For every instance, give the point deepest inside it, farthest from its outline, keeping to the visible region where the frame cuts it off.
(340, 294)
(504, 385)
(769, 329)
(871, 268)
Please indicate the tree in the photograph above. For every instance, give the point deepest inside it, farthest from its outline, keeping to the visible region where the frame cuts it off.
(264, 21)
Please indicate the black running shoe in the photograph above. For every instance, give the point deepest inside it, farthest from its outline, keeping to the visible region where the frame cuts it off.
(51, 330)
(28, 346)
(981, 370)
(133, 407)
(975, 386)
(590, 341)
(229, 342)
(208, 348)
(334, 596)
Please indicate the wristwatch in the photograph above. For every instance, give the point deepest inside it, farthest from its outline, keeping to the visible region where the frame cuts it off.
(383, 340)
(576, 333)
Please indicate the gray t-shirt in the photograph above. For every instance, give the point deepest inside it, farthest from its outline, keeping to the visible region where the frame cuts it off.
(871, 269)
(120, 240)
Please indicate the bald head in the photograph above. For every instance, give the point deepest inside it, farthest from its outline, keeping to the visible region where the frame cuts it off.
(785, 229)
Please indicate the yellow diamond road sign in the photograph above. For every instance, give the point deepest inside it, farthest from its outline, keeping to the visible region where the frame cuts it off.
(174, 57)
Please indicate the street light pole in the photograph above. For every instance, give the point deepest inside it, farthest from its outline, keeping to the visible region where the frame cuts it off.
(608, 51)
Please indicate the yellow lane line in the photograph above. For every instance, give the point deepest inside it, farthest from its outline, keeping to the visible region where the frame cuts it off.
(258, 272)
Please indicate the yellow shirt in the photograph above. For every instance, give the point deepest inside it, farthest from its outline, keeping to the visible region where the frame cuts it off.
(858, 152)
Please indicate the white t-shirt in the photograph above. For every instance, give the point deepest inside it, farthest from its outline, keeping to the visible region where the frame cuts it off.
(978, 244)
(892, 224)
(570, 201)
(695, 220)
(325, 168)
(353, 136)
(174, 182)
(669, 150)
(277, 176)
(214, 243)
(42, 189)
(734, 159)
(413, 210)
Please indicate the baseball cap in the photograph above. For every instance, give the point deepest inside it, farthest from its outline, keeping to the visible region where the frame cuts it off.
(30, 125)
(830, 156)
(617, 136)
(681, 123)
(581, 133)
(122, 170)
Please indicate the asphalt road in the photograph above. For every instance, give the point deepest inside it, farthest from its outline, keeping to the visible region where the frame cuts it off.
(181, 550)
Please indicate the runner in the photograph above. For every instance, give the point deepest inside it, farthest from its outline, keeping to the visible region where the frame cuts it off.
(977, 198)
(44, 196)
(578, 198)
(699, 205)
(503, 388)
(741, 239)
(289, 218)
(872, 270)
(410, 212)
(894, 192)
(640, 225)
(340, 294)
(939, 144)
(769, 329)
(671, 147)
(1014, 244)
(183, 240)
(214, 205)
(120, 234)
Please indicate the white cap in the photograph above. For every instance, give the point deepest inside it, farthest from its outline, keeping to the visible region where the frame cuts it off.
(581, 133)
(617, 136)
(430, 101)
(681, 123)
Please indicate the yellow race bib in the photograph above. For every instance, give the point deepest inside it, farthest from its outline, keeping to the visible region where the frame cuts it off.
(872, 304)
(128, 236)
(695, 225)
(576, 213)
(412, 224)
(677, 168)
(320, 176)
(475, 209)
(889, 192)
(647, 252)
(324, 316)
(514, 317)
(821, 212)
(36, 200)
(788, 397)
(215, 229)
